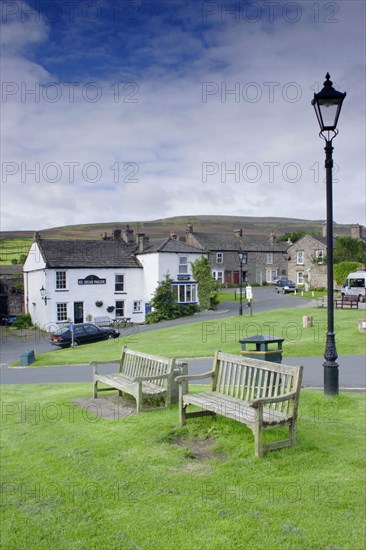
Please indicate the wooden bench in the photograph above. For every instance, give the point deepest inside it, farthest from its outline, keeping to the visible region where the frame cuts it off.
(347, 301)
(103, 321)
(260, 394)
(140, 375)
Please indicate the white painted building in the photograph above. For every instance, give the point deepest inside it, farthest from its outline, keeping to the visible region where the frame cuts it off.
(70, 280)
(170, 257)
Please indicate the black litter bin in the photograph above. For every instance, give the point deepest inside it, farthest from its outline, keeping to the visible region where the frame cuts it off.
(27, 357)
(266, 348)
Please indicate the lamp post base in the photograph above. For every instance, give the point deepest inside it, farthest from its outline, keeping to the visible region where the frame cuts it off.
(331, 367)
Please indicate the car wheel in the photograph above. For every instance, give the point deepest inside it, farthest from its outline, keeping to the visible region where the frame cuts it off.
(76, 343)
(283, 291)
(110, 337)
(361, 298)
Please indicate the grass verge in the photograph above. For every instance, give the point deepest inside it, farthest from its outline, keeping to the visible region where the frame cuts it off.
(71, 479)
(201, 339)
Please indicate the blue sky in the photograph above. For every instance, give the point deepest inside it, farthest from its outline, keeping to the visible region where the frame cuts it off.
(145, 109)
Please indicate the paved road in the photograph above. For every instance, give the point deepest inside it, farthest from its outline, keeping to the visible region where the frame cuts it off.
(352, 369)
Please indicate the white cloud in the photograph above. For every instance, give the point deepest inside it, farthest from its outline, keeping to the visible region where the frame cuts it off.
(170, 132)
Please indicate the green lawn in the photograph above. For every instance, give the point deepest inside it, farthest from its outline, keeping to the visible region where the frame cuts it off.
(225, 296)
(201, 339)
(72, 480)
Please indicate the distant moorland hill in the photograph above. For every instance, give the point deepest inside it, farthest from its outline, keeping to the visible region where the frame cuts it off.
(163, 227)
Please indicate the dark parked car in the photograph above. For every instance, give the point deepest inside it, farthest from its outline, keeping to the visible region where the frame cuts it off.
(84, 333)
(7, 319)
(285, 285)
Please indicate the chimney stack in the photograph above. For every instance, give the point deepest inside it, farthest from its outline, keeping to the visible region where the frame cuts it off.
(143, 242)
(356, 231)
(238, 233)
(189, 228)
(117, 234)
(173, 235)
(127, 235)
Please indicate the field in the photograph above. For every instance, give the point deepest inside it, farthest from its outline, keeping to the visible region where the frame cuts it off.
(12, 249)
(73, 480)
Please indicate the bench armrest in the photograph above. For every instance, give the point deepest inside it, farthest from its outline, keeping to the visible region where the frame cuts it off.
(275, 399)
(144, 378)
(184, 377)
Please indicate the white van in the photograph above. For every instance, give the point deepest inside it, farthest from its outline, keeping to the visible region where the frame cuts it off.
(355, 285)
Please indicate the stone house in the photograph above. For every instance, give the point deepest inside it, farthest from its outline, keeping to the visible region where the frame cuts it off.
(11, 293)
(264, 259)
(307, 264)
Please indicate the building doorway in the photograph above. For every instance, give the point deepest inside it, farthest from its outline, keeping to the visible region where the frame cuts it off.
(78, 312)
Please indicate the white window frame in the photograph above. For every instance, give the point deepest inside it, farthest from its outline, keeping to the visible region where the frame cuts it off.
(187, 288)
(219, 257)
(137, 306)
(116, 282)
(269, 258)
(300, 278)
(218, 276)
(119, 308)
(61, 312)
(319, 256)
(300, 257)
(183, 265)
(270, 275)
(60, 280)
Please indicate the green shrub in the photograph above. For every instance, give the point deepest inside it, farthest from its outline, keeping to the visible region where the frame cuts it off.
(188, 309)
(23, 320)
(214, 301)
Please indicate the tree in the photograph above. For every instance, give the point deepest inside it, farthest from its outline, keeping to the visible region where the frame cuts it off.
(294, 236)
(348, 249)
(163, 302)
(207, 285)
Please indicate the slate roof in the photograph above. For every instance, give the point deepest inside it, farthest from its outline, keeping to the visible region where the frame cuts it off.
(222, 242)
(171, 245)
(85, 253)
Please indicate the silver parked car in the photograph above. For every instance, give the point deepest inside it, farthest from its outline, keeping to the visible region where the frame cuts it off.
(284, 286)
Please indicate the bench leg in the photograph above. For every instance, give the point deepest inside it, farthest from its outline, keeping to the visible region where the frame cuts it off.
(258, 443)
(182, 414)
(292, 433)
(139, 398)
(258, 434)
(182, 408)
(95, 389)
(120, 393)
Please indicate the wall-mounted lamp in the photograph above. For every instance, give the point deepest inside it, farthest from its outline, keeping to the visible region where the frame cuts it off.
(44, 295)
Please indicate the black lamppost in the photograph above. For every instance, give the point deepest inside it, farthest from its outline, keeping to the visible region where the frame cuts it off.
(242, 257)
(327, 104)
